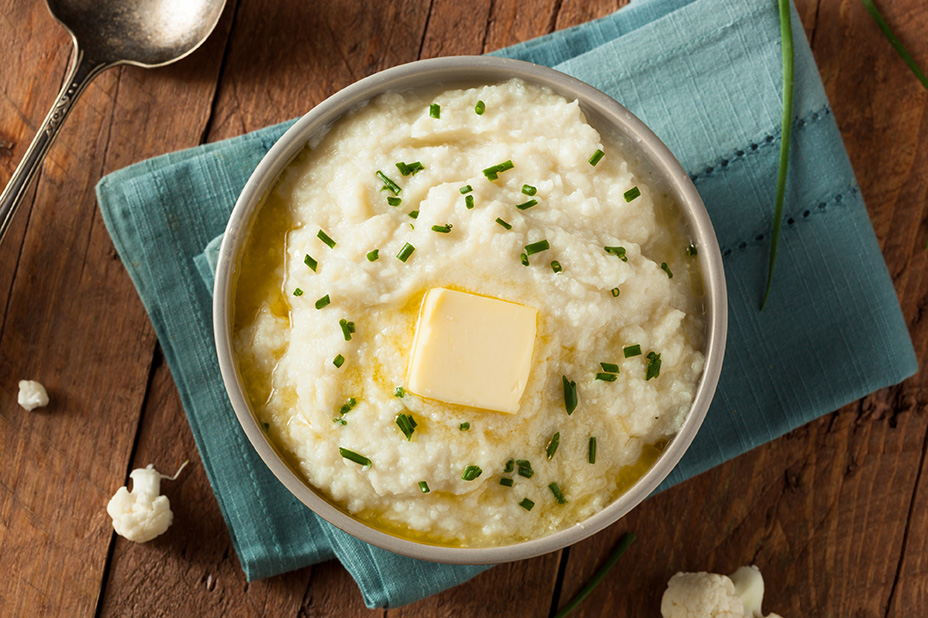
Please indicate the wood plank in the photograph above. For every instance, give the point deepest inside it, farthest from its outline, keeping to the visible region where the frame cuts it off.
(75, 323)
(576, 12)
(883, 114)
(35, 51)
(191, 570)
(54, 545)
(286, 57)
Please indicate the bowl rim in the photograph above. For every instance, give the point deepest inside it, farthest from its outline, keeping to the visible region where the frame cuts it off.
(455, 70)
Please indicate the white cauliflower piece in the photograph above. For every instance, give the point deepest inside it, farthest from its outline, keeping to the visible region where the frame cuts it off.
(142, 514)
(710, 595)
(32, 395)
(701, 595)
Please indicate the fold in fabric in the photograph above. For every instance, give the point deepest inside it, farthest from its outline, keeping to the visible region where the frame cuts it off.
(705, 76)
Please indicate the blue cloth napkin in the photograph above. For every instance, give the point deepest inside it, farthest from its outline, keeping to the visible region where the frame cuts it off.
(705, 75)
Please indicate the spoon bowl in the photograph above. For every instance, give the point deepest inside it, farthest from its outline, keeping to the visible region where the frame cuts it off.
(145, 33)
(107, 33)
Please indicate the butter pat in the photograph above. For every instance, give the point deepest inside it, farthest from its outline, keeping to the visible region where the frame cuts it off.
(472, 350)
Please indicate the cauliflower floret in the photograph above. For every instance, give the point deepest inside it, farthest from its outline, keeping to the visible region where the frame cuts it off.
(142, 514)
(701, 595)
(32, 395)
(710, 595)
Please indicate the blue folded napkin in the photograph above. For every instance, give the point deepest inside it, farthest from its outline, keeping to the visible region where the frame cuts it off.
(705, 75)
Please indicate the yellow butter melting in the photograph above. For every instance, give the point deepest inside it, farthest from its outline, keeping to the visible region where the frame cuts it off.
(472, 350)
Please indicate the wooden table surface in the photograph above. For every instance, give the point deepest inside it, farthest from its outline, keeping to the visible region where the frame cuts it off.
(835, 513)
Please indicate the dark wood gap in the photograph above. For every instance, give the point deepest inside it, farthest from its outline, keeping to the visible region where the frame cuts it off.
(908, 522)
(204, 136)
(559, 582)
(157, 359)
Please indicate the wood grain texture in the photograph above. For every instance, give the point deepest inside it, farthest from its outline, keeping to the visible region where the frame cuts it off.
(74, 322)
(834, 513)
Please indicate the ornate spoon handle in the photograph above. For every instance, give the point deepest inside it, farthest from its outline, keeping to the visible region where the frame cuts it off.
(82, 71)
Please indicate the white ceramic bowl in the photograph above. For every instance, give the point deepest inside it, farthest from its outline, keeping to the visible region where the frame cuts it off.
(603, 113)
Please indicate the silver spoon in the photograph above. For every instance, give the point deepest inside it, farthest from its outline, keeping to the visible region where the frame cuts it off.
(105, 33)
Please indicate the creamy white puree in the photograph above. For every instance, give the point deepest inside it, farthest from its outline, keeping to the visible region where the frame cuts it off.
(286, 346)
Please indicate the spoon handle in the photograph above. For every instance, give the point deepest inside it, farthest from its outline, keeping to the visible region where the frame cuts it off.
(82, 70)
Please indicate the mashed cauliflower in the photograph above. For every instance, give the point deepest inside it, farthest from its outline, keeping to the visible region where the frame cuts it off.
(325, 312)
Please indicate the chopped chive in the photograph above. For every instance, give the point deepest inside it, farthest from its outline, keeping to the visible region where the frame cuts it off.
(297, 292)
(339, 421)
(405, 252)
(471, 472)
(558, 495)
(407, 425)
(654, 366)
(355, 457)
(610, 367)
(466, 189)
(347, 328)
(524, 259)
(632, 194)
(529, 190)
(407, 169)
(309, 261)
(619, 252)
(537, 247)
(556, 266)
(606, 377)
(465, 426)
(551, 448)
(322, 302)
(469, 202)
(597, 156)
(570, 395)
(348, 406)
(527, 504)
(338, 361)
(414, 214)
(480, 107)
(492, 172)
(591, 451)
(388, 184)
(666, 269)
(424, 487)
(510, 466)
(435, 110)
(527, 205)
(786, 44)
(373, 255)
(442, 229)
(503, 223)
(525, 468)
(615, 292)
(326, 239)
(598, 576)
(394, 201)
(506, 482)
(691, 250)
(399, 392)
(632, 350)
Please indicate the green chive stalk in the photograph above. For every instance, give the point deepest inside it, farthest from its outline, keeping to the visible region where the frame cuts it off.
(786, 36)
(598, 576)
